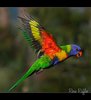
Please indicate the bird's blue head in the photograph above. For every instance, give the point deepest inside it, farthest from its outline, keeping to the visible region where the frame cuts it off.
(75, 51)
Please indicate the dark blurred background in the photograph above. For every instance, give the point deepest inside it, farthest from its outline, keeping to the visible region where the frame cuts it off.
(68, 25)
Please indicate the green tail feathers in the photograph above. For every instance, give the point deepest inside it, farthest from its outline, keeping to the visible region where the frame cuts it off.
(29, 72)
(41, 63)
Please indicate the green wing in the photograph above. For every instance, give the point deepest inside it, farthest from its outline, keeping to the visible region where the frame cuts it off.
(41, 63)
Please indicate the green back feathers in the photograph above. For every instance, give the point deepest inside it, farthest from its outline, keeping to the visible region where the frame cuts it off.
(66, 48)
(41, 63)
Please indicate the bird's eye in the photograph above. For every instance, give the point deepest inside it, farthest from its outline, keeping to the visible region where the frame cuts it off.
(77, 49)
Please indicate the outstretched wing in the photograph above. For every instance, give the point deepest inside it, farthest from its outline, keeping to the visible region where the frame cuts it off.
(38, 37)
(31, 31)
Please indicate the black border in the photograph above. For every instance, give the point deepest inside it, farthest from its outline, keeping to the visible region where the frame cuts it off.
(43, 96)
(45, 3)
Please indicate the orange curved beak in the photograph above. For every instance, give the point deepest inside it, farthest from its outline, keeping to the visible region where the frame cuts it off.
(79, 54)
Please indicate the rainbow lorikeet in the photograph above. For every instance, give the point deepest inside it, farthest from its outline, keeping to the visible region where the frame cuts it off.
(48, 51)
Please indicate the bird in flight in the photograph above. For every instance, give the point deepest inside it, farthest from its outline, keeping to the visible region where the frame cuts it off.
(49, 53)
